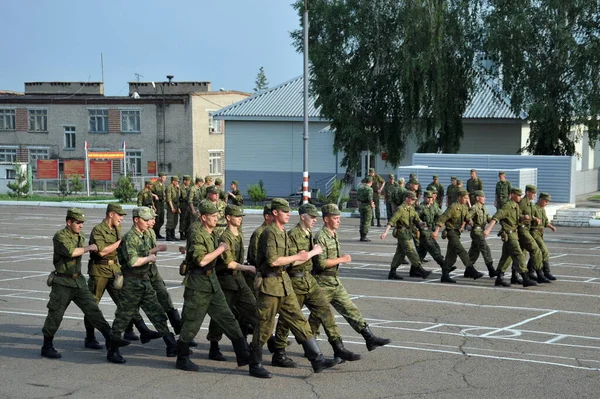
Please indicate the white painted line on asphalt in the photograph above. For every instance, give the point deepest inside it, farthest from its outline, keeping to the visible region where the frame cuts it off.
(23, 278)
(518, 324)
(558, 256)
(431, 327)
(555, 339)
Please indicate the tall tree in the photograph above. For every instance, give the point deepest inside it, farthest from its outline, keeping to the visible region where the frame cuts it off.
(388, 70)
(261, 82)
(548, 53)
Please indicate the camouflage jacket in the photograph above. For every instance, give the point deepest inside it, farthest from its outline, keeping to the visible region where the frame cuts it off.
(273, 245)
(454, 216)
(103, 236)
(65, 242)
(199, 244)
(134, 245)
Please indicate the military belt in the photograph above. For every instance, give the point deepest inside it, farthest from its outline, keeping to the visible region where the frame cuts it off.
(74, 276)
(276, 273)
(330, 271)
(144, 276)
(510, 231)
(106, 262)
(202, 271)
(296, 274)
(226, 272)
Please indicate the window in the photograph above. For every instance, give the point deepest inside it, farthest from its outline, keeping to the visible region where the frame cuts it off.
(130, 121)
(7, 119)
(214, 125)
(8, 155)
(38, 120)
(134, 162)
(35, 154)
(11, 174)
(98, 120)
(214, 163)
(70, 138)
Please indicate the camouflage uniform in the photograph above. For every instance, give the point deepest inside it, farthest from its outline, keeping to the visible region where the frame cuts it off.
(252, 251)
(526, 241)
(238, 198)
(388, 192)
(145, 198)
(184, 207)
(439, 189)
(429, 214)
(364, 195)
(478, 214)
(174, 196)
(473, 185)
(307, 290)
(378, 183)
(537, 231)
(159, 189)
(163, 296)
(452, 195)
(502, 193)
(508, 217)
(404, 219)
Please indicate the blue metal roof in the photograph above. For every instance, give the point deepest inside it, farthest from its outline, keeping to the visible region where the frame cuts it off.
(285, 103)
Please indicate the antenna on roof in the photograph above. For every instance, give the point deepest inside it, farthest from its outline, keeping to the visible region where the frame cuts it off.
(138, 76)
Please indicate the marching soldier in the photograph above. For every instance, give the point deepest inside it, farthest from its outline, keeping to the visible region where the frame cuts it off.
(526, 241)
(196, 195)
(429, 213)
(253, 245)
(537, 231)
(212, 195)
(364, 195)
(160, 192)
(479, 218)
(172, 199)
(184, 206)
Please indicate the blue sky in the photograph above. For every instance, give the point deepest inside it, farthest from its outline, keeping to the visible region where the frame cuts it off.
(222, 41)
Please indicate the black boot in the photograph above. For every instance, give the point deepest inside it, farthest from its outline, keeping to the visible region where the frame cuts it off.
(541, 278)
(271, 344)
(280, 359)
(473, 273)
(175, 320)
(256, 368)
(530, 269)
(157, 232)
(419, 272)
(394, 276)
(491, 271)
(446, 277)
(183, 358)
(128, 334)
(373, 341)
(363, 237)
(146, 334)
(170, 235)
(113, 354)
(48, 348)
(514, 277)
(546, 269)
(171, 345)
(527, 282)
(214, 353)
(90, 338)
(193, 343)
(500, 282)
(378, 223)
(317, 360)
(240, 347)
(343, 353)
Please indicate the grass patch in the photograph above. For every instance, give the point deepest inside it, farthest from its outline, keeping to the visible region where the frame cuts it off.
(56, 198)
(594, 198)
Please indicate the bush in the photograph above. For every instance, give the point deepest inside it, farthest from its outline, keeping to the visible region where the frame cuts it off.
(257, 192)
(20, 187)
(332, 198)
(124, 190)
(76, 184)
(63, 188)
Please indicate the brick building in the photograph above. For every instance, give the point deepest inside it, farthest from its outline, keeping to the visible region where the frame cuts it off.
(167, 126)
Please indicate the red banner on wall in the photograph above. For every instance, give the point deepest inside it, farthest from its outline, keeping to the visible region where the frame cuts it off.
(151, 167)
(74, 167)
(100, 170)
(47, 168)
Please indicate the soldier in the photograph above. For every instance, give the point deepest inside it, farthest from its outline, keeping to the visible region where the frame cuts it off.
(388, 194)
(537, 232)
(454, 219)
(526, 241)
(235, 195)
(196, 195)
(212, 195)
(398, 195)
(417, 186)
(452, 192)
(479, 218)
(503, 188)
(172, 198)
(219, 186)
(145, 196)
(364, 195)
(203, 293)
(208, 181)
(159, 191)
(136, 256)
(308, 293)
(104, 273)
(184, 206)
(378, 185)
(429, 213)
(403, 220)
(68, 284)
(229, 268)
(437, 187)
(327, 274)
(275, 294)
(509, 217)
(473, 184)
(253, 245)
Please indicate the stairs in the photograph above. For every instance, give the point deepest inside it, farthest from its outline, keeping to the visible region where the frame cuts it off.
(575, 217)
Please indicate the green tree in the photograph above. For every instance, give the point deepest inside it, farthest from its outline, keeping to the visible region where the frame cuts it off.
(20, 187)
(257, 192)
(384, 71)
(76, 184)
(124, 190)
(548, 57)
(261, 82)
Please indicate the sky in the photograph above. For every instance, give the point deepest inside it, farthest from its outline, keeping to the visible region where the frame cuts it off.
(221, 41)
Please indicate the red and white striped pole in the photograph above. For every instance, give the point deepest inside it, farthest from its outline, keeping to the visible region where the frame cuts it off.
(305, 190)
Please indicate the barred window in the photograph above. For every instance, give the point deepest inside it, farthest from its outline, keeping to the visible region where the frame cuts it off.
(130, 121)
(7, 119)
(38, 120)
(8, 154)
(98, 120)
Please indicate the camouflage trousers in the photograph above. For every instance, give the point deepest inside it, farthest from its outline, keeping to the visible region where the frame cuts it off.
(160, 216)
(528, 243)
(512, 250)
(456, 249)
(249, 277)
(377, 209)
(98, 285)
(60, 298)
(242, 304)
(479, 246)
(338, 297)
(539, 239)
(184, 217)
(428, 244)
(136, 293)
(310, 294)
(197, 304)
(288, 309)
(405, 248)
(389, 210)
(366, 215)
(172, 218)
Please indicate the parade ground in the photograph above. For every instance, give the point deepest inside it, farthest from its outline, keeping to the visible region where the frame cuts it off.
(464, 340)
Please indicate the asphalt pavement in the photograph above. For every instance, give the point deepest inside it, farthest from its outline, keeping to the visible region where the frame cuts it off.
(464, 340)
